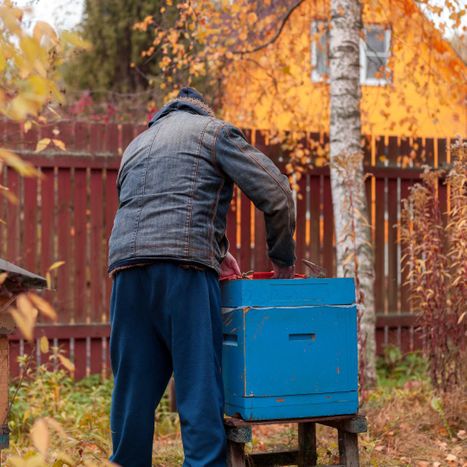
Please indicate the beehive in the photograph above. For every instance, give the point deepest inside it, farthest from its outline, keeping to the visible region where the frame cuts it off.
(289, 348)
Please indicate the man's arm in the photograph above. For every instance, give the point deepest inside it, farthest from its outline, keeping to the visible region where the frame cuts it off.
(263, 183)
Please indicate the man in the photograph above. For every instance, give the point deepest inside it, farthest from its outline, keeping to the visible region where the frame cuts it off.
(167, 249)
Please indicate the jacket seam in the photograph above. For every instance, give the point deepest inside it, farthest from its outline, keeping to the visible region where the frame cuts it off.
(213, 215)
(214, 148)
(190, 206)
(143, 190)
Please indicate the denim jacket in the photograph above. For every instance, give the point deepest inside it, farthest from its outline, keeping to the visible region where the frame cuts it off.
(175, 185)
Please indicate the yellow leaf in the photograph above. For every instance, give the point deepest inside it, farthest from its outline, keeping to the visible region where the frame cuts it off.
(3, 277)
(15, 162)
(25, 323)
(42, 144)
(43, 306)
(68, 364)
(56, 265)
(44, 344)
(43, 29)
(40, 436)
(27, 126)
(59, 144)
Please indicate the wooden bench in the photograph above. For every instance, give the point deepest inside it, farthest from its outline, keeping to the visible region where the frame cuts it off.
(239, 432)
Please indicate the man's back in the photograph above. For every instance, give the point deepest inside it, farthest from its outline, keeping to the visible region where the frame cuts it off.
(175, 186)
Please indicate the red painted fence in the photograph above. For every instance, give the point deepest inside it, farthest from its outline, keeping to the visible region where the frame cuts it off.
(68, 213)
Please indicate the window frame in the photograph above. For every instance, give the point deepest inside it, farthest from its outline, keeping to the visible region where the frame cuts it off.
(365, 53)
(317, 77)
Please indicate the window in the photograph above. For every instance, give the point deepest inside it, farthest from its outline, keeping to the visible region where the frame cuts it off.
(375, 50)
(319, 50)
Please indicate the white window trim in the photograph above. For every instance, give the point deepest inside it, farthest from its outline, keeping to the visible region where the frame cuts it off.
(316, 77)
(364, 63)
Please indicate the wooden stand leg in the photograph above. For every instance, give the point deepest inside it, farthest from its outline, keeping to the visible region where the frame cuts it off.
(235, 454)
(307, 444)
(348, 449)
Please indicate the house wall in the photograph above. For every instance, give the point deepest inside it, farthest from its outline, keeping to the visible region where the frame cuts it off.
(273, 88)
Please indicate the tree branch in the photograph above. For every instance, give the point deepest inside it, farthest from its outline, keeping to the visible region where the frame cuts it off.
(276, 36)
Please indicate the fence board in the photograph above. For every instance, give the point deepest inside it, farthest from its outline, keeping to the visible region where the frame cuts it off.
(80, 257)
(64, 292)
(29, 224)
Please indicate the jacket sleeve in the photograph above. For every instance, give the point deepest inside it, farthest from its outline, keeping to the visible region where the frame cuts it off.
(260, 180)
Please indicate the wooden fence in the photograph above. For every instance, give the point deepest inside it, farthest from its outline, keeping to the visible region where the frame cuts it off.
(68, 213)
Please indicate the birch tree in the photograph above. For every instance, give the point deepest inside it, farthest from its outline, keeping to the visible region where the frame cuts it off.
(353, 239)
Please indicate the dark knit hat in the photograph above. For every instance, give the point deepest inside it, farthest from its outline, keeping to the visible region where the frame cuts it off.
(191, 93)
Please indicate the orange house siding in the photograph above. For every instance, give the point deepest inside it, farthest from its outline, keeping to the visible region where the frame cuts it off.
(273, 88)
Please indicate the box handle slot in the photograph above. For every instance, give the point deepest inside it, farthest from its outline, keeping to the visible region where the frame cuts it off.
(231, 339)
(303, 336)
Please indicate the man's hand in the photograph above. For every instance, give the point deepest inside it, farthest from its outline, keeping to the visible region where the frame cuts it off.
(283, 272)
(229, 267)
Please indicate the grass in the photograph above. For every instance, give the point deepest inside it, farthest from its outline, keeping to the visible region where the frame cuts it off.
(408, 424)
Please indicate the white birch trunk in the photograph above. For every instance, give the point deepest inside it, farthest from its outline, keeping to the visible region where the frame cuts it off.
(353, 238)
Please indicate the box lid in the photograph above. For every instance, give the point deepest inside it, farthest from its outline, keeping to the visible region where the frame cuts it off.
(288, 292)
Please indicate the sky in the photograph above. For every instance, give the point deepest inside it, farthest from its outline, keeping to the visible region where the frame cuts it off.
(65, 14)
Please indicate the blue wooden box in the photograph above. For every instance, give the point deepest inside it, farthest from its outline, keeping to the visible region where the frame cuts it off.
(289, 348)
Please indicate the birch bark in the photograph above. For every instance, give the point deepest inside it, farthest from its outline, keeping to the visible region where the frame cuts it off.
(353, 238)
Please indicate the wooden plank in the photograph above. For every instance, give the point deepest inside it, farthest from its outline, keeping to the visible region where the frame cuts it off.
(404, 289)
(328, 261)
(12, 218)
(442, 152)
(429, 149)
(98, 138)
(48, 228)
(111, 138)
(379, 246)
(300, 235)
(29, 225)
(79, 161)
(236, 454)
(315, 201)
(83, 136)
(80, 358)
(274, 458)
(110, 208)
(307, 455)
(65, 303)
(356, 424)
(66, 331)
(238, 422)
(127, 132)
(260, 253)
(97, 247)
(348, 449)
(80, 247)
(392, 286)
(96, 356)
(244, 255)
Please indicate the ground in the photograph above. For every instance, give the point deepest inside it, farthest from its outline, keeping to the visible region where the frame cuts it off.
(409, 425)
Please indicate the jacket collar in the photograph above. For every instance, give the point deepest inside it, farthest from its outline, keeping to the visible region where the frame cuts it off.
(187, 104)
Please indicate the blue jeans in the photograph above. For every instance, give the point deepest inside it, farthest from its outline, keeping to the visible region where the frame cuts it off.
(164, 319)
